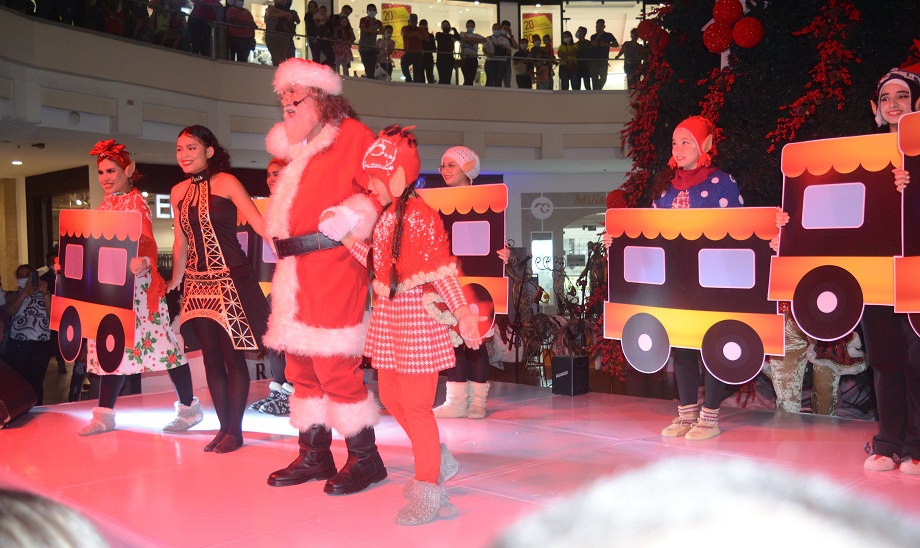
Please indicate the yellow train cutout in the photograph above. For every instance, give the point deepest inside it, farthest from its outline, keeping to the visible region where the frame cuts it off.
(693, 278)
(474, 217)
(677, 277)
(852, 238)
(94, 292)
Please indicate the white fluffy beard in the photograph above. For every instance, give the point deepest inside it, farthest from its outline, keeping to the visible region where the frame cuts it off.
(303, 123)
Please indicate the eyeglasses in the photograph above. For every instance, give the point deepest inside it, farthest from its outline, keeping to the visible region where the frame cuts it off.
(442, 167)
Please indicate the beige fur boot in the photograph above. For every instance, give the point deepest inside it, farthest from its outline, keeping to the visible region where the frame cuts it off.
(455, 405)
(103, 421)
(706, 427)
(479, 392)
(686, 417)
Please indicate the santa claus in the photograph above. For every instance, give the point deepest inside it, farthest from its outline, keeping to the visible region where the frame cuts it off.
(319, 291)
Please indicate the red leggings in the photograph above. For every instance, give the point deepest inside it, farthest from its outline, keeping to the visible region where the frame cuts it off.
(409, 397)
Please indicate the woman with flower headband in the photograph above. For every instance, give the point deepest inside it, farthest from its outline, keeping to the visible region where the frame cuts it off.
(223, 307)
(406, 343)
(156, 346)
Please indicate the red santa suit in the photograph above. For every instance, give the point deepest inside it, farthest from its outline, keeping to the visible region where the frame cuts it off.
(319, 298)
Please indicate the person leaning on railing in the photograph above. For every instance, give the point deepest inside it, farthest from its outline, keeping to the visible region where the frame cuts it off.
(469, 52)
(280, 24)
(444, 44)
(242, 30)
(370, 28)
(385, 47)
(498, 50)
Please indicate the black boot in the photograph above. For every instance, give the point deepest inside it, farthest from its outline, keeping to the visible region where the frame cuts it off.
(314, 462)
(363, 468)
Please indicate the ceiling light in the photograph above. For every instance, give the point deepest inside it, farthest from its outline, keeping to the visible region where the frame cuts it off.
(16, 162)
(78, 201)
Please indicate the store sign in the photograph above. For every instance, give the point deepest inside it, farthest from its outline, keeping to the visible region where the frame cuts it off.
(542, 208)
(537, 23)
(162, 209)
(397, 16)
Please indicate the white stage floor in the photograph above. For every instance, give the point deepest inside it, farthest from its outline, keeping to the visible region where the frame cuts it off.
(146, 488)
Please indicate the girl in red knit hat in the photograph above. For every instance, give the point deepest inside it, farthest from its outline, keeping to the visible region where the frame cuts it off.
(406, 343)
(692, 181)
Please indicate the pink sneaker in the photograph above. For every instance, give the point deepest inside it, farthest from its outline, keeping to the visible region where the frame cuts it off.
(910, 466)
(879, 463)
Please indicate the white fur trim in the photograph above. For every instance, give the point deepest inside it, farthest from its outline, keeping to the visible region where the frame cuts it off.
(288, 334)
(307, 74)
(276, 142)
(416, 280)
(350, 418)
(429, 300)
(305, 412)
(277, 218)
(363, 208)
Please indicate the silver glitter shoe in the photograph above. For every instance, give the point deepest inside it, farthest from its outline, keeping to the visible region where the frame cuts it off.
(429, 501)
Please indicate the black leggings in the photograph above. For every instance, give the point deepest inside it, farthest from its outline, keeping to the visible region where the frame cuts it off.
(472, 365)
(893, 352)
(687, 365)
(277, 363)
(227, 374)
(181, 377)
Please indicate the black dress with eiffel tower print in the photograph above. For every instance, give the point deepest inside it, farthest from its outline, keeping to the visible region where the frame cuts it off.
(219, 283)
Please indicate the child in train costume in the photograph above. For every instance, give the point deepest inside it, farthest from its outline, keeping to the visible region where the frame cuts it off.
(156, 345)
(319, 290)
(892, 346)
(408, 341)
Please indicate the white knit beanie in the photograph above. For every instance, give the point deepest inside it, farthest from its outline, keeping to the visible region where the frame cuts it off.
(468, 160)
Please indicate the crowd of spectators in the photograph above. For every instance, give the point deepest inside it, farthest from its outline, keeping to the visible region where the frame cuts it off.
(225, 29)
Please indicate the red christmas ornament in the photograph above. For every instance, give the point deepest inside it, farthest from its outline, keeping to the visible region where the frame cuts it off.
(717, 37)
(647, 30)
(664, 38)
(727, 11)
(748, 32)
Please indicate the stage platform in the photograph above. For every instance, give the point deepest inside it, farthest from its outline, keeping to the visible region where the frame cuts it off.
(147, 488)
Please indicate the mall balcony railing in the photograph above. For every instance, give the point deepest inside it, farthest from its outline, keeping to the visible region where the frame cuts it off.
(218, 47)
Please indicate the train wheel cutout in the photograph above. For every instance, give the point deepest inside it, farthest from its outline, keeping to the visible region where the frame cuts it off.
(646, 344)
(914, 320)
(732, 351)
(110, 343)
(827, 303)
(70, 335)
(481, 303)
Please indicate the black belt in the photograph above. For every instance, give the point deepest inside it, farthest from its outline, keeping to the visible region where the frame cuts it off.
(301, 245)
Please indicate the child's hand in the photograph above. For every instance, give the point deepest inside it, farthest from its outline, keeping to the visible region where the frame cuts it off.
(608, 240)
(139, 265)
(782, 218)
(469, 330)
(774, 244)
(901, 178)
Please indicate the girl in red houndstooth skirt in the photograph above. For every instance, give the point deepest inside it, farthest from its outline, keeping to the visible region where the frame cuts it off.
(406, 343)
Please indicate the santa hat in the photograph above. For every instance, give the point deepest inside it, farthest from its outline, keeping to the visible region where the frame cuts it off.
(468, 160)
(903, 78)
(300, 72)
(394, 148)
(699, 129)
